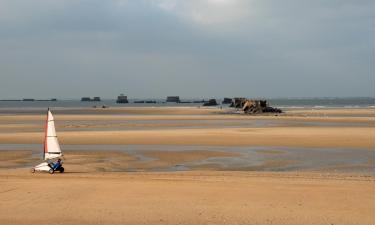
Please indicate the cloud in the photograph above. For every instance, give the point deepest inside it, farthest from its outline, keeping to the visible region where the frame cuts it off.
(208, 12)
(151, 47)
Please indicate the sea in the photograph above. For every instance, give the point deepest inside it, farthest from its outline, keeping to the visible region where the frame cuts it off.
(363, 102)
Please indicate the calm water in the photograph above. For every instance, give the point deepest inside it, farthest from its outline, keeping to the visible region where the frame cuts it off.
(282, 102)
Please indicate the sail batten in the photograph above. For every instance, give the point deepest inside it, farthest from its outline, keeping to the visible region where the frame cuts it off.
(51, 143)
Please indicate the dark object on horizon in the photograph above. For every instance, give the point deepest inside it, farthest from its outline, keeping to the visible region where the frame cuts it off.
(10, 100)
(254, 106)
(175, 99)
(148, 101)
(211, 102)
(103, 106)
(122, 99)
(227, 101)
(186, 102)
(47, 100)
(88, 99)
(28, 99)
(237, 102)
(85, 99)
(199, 101)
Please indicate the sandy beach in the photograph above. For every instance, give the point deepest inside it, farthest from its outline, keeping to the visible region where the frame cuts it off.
(186, 198)
(191, 166)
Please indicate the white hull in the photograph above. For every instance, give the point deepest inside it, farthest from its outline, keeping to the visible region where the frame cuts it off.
(42, 167)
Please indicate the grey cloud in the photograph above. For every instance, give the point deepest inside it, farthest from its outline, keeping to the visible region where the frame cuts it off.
(296, 48)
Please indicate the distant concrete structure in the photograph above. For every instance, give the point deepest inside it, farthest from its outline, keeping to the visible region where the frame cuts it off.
(211, 102)
(237, 102)
(250, 106)
(88, 99)
(29, 100)
(85, 99)
(47, 100)
(10, 100)
(122, 99)
(175, 99)
(227, 101)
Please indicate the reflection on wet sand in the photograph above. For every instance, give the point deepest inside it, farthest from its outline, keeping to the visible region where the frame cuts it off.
(174, 158)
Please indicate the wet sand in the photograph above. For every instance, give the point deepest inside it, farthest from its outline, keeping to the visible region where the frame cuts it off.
(275, 136)
(136, 158)
(96, 190)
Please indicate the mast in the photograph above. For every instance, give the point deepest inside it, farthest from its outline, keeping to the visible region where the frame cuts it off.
(45, 137)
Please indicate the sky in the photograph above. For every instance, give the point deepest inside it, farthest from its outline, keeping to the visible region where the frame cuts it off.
(190, 48)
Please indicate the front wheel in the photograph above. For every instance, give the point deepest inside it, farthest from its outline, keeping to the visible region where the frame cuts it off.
(61, 169)
(51, 171)
(32, 170)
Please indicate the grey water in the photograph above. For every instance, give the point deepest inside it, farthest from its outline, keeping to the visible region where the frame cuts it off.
(276, 102)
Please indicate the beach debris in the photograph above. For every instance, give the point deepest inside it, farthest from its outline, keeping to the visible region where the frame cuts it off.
(122, 99)
(103, 106)
(250, 106)
(211, 102)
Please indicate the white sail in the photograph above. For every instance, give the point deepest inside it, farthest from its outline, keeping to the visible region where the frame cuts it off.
(51, 144)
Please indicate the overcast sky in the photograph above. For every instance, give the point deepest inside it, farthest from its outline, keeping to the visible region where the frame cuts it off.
(191, 48)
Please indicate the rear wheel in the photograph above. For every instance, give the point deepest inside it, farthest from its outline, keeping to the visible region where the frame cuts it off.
(32, 170)
(61, 169)
(51, 171)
